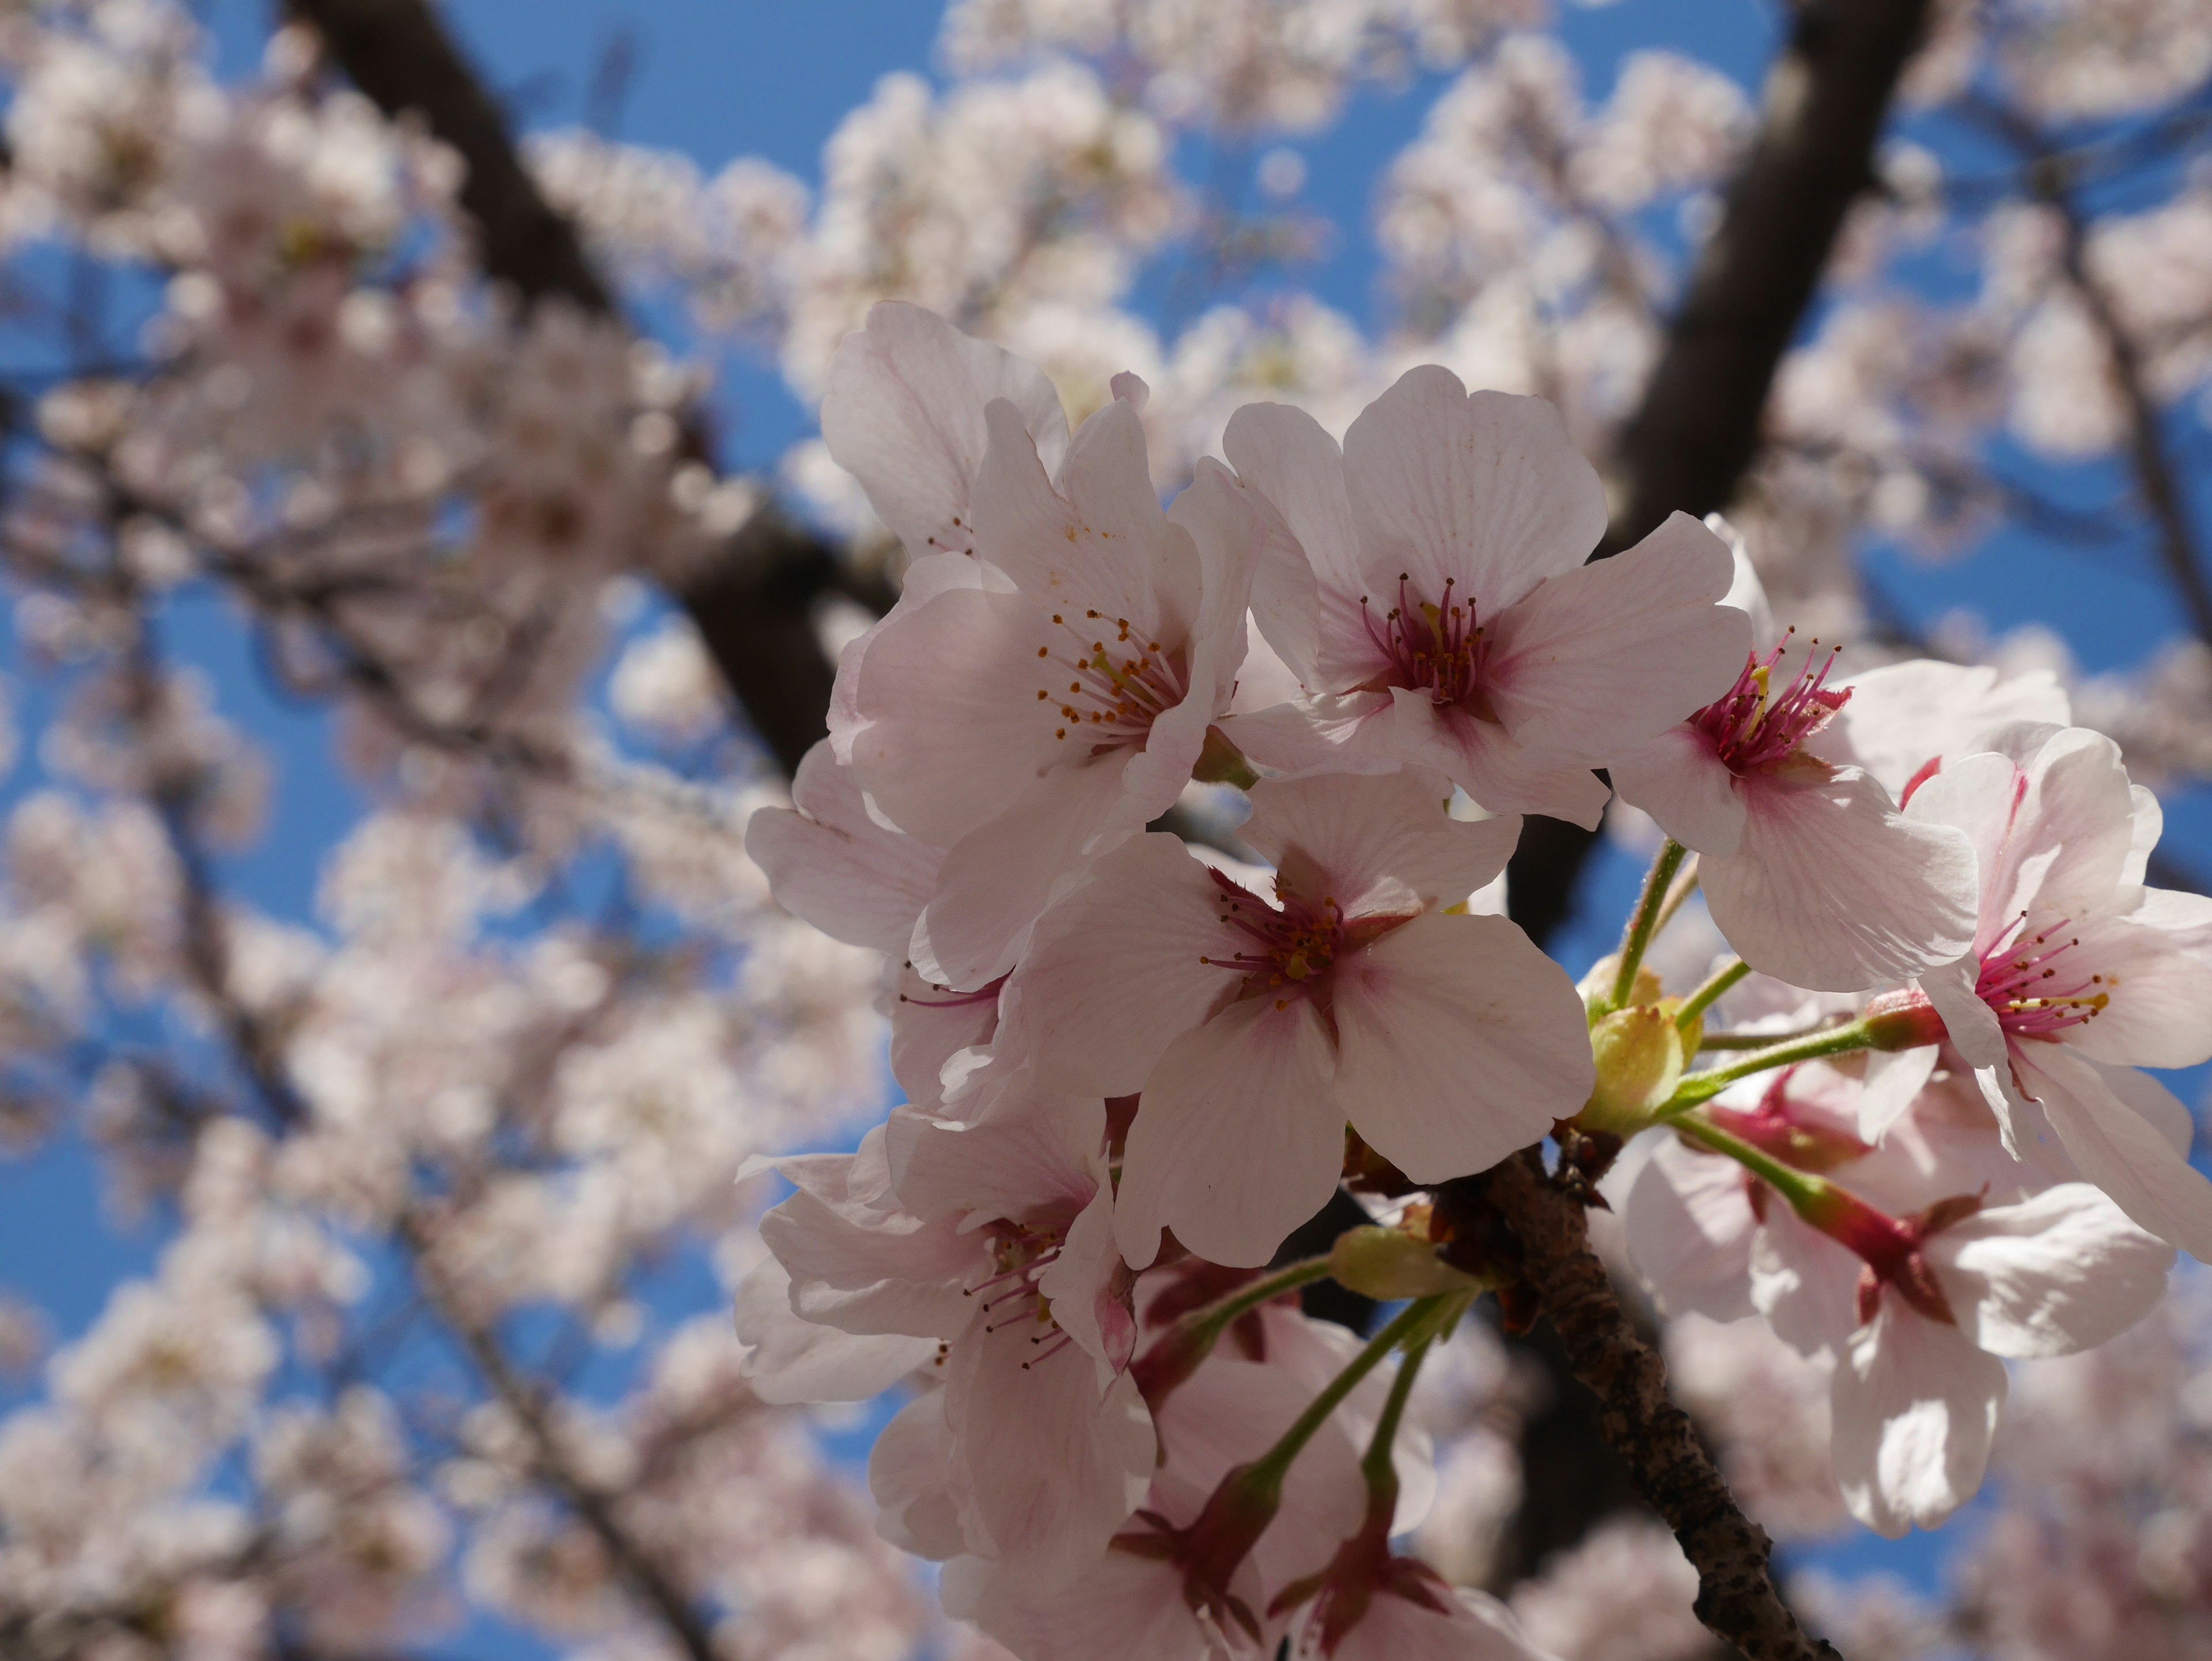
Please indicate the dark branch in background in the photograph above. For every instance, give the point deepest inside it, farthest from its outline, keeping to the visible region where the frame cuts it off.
(755, 607)
(2052, 177)
(1687, 448)
(1737, 1597)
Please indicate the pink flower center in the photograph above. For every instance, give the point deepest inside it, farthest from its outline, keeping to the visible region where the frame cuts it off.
(1020, 1253)
(2032, 988)
(1118, 682)
(1438, 648)
(1754, 732)
(1277, 948)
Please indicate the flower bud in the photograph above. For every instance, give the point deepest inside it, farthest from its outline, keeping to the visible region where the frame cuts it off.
(1388, 1264)
(1596, 986)
(1639, 1061)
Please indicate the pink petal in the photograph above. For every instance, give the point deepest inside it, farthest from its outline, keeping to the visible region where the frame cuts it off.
(1904, 714)
(1487, 488)
(1804, 1283)
(1830, 889)
(1604, 657)
(833, 866)
(1678, 778)
(1483, 760)
(1306, 589)
(1387, 835)
(790, 1359)
(1321, 734)
(1893, 1081)
(911, 1479)
(1458, 1042)
(1112, 973)
(2060, 1271)
(2119, 1150)
(1915, 1405)
(1238, 1139)
(1690, 1227)
(904, 414)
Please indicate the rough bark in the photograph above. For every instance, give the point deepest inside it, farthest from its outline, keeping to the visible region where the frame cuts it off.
(1737, 1597)
(755, 607)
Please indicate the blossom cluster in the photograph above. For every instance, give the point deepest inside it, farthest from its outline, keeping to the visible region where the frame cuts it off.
(1133, 1067)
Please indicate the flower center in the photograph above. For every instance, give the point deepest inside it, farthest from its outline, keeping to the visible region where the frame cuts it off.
(1438, 648)
(1018, 1256)
(2033, 992)
(1275, 948)
(1118, 682)
(1753, 731)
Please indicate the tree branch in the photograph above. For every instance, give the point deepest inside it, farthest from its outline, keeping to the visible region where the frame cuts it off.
(1737, 1597)
(754, 607)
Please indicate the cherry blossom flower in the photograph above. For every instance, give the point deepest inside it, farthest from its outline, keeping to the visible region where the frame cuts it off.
(1030, 707)
(1911, 1283)
(1426, 585)
(2078, 972)
(1255, 1028)
(1807, 866)
(1001, 1274)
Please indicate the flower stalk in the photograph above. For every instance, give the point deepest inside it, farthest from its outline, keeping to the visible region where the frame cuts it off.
(1644, 922)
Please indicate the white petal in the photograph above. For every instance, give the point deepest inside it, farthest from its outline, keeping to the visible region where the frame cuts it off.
(903, 413)
(1112, 973)
(2117, 1148)
(1904, 715)
(2060, 1271)
(864, 1269)
(1121, 1607)
(1602, 658)
(1679, 780)
(1690, 1227)
(1238, 1138)
(1915, 1405)
(832, 865)
(2073, 835)
(1891, 1083)
(1830, 889)
(1054, 1468)
(1310, 550)
(1804, 1283)
(997, 879)
(1370, 836)
(1485, 761)
(1487, 489)
(1458, 1043)
(1323, 734)
(788, 1360)
(1471, 1626)
(911, 1478)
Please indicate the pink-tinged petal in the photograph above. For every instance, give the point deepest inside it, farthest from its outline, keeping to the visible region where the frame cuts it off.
(956, 729)
(1972, 1025)
(1323, 734)
(1892, 1083)
(1690, 1227)
(1458, 1042)
(1037, 1161)
(1112, 973)
(1483, 760)
(788, 1360)
(2073, 835)
(1832, 889)
(1387, 839)
(1306, 591)
(930, 1025)
(997, 879)
(1487, 490)
(1602, 658)
(1116, 555)
(2161, 1012)
(1915, 1405)
(1238, 1138)
(1471, 1626)
(904, 414)
(1904, 715)
(1680, 781)
(2168, 1114)
(1746, 592)
(1054, 1466)
(924, 580)
(2060, 1271)
(911, 1479)
(1804, 1283)
(830, 864)
(1088, 1284)
(1263, 680)
(866, 1270)
(1975, 795)
(2114, 1147)
(1119, 1608)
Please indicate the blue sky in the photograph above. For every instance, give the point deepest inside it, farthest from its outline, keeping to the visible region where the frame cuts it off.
(717, 78)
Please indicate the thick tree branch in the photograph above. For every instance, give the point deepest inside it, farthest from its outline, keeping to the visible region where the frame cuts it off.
(754, 607)
(1737, 1597)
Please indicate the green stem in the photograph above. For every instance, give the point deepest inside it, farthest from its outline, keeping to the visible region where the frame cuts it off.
(1266, 1289)
(1644, 922)
(1703, 999)
(1678, 895)
(1800, 1190)
(1267, 1470)
(1375, 1464)
(1704, 1086)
